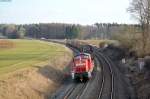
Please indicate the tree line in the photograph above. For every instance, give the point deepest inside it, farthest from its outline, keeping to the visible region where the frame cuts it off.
(64, 31)
(48, 31)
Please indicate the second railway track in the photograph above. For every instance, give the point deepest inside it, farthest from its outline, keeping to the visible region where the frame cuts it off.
(103, 80)
(106, 90)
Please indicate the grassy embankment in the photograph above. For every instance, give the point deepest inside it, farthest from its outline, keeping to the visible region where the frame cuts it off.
(30, 68)
(25, 53)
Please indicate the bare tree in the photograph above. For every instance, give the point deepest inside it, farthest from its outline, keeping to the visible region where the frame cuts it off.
(140, 9)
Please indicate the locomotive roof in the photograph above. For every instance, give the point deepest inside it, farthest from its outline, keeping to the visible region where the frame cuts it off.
(86, 54)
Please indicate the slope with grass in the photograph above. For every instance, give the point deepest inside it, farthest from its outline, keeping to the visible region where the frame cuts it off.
(31, 69)
(26, 53)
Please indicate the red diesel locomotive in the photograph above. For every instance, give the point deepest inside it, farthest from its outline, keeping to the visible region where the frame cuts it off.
(82, 66)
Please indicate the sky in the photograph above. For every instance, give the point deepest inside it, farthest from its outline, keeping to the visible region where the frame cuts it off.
(84, 12)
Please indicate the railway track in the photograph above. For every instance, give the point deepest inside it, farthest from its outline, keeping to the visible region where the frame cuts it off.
(76, 89)
(121, 83)
(104, 83)
(82, 91)
(69, 92)
(104, 80)
(75, 92)
(106, 90)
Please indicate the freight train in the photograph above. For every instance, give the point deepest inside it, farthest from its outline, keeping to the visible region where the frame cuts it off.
(82, 67)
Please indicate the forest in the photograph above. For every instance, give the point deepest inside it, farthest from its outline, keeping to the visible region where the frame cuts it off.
(65, 31)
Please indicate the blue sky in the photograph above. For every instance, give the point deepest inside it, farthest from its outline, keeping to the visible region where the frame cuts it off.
(64, 11)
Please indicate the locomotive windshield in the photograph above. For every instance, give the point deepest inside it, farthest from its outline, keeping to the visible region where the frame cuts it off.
(81, 59)
(83, 56)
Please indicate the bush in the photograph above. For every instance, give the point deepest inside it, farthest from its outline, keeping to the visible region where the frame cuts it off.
(133, 42)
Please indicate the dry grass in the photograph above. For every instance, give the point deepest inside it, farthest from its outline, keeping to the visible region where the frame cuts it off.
(38, 81)
(138, 48)
(6, 44)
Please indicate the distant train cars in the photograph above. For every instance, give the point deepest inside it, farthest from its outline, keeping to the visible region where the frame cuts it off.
(87, 49)
(82, 67)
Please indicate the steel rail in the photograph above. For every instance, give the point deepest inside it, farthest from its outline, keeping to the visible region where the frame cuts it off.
(101, 57)
(69, 92)
(103, 82)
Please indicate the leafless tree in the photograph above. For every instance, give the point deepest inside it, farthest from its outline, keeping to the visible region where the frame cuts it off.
(140, 9)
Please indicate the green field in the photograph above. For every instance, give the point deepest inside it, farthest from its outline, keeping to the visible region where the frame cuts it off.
(27, 53)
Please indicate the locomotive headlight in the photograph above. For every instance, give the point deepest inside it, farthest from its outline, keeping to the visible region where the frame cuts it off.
(72, 75)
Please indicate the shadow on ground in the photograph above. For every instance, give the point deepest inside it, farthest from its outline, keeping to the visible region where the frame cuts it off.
(51, 73)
